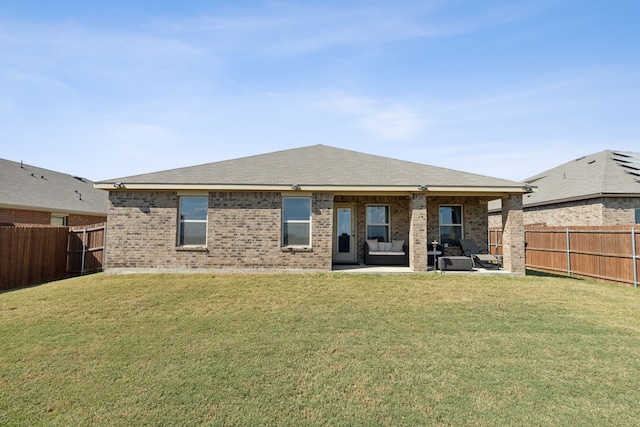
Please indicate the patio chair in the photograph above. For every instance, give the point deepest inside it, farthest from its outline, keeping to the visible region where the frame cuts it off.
(482, 258)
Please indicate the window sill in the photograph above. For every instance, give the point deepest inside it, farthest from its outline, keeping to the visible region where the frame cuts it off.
(192, 249)
(296, 249)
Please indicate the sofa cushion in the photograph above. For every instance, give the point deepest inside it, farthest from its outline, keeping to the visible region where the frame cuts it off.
(373, 245)
(384, 246)
(397, 245)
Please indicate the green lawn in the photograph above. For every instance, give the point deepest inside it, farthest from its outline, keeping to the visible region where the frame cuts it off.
(320, 349)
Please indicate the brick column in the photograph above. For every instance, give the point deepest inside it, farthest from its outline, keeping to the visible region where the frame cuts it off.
(513, 234)
(418, 233)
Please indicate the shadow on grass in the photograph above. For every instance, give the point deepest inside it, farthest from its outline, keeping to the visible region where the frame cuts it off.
(34, 285)
(19, 288)
(540, 273)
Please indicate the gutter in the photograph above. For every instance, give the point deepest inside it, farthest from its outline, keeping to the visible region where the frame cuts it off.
(428, 189)
(578, 198)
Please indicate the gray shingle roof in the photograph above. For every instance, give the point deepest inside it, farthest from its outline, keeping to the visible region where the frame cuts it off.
(317, 165)
(30, 187)
(605, 173)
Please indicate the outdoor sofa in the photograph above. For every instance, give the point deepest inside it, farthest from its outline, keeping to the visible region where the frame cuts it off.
(395, 252)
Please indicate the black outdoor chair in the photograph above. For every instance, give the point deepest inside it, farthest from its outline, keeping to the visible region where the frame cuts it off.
(482, 258)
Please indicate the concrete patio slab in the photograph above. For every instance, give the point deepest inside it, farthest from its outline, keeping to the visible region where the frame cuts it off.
(362, 268)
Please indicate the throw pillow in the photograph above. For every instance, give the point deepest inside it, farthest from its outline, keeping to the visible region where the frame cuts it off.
(373, 245)
(397, 245)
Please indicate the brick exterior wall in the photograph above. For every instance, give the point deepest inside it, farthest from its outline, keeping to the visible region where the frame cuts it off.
(76, 220)
(244, 232)
(581, 212)
(620, 210)
(513, 249)
(596, 212)
(419, 239)
(495, 220)
(474, 220)
(21, 216)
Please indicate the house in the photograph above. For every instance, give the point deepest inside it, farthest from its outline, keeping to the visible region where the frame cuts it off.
(33, 195)
(305, 208)
(598, 189)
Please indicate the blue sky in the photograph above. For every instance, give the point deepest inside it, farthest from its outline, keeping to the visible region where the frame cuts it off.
(106, 89)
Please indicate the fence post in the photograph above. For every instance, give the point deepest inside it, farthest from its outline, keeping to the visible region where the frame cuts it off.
(104, 244)
(633, 257)
(489, 239)
(568, 254)
(84, 249)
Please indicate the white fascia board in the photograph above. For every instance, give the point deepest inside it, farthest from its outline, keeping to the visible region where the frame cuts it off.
(579, 198)
(316, 188)
(483, 191)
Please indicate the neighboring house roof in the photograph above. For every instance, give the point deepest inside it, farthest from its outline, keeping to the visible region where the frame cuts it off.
(317, 167)
(32, 188)
(605, 174)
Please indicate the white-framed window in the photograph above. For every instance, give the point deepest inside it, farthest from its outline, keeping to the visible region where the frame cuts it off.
(296, 222)
(59, 219)
(451, 225)
(193, 217)
(378, 223)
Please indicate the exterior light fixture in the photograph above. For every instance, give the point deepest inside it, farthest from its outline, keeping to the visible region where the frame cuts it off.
(295, 187)
(118, 185)
(422, 188)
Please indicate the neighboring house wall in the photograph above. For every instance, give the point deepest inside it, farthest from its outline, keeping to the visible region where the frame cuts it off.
(76, 220)
(620, 210)
(244, 232)
(21, 216)
(495, 220)
(581, 212)
(591, 212)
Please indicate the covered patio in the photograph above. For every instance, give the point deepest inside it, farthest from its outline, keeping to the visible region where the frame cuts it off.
(417, 220)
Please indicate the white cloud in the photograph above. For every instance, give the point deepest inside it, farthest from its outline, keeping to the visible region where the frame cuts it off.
(389, 122)
(289, 28)
(76, 48)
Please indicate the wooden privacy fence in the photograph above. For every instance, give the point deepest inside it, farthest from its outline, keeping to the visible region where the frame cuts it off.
(610, 253)
(31, 254)
(86, 249)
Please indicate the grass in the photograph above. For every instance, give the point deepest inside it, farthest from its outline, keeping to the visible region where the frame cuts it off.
(320, 349)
